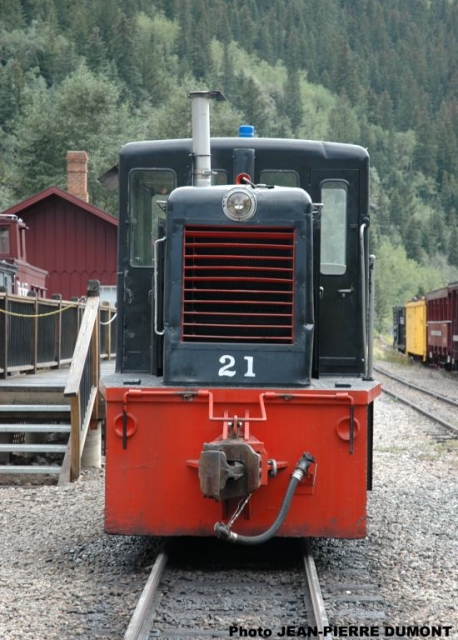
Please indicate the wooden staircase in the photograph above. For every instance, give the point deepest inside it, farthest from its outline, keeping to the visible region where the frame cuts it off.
(34, 428)
(47, 413)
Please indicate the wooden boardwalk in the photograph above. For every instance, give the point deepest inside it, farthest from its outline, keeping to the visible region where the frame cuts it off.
(45, 382)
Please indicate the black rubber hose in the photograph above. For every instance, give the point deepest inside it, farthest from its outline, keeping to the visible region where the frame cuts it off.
(223, 532)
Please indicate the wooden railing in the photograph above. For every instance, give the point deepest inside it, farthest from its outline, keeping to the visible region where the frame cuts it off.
(37, 333)
(40, 333)
(83, 379)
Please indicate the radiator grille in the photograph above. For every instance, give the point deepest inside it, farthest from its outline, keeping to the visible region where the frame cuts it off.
(238, 285)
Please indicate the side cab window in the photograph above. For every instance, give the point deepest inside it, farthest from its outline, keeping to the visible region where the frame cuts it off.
(334, 196)
(147, 188)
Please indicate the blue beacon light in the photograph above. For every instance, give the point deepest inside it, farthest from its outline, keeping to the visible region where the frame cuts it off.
(246, 131)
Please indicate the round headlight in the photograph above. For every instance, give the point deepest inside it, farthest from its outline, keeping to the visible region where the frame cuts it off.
(239, 204)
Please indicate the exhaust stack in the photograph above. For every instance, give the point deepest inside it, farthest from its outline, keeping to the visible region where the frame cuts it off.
(201, 136)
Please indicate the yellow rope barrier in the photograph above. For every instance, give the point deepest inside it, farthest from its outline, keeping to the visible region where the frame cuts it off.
(35, 315)
(50, 313)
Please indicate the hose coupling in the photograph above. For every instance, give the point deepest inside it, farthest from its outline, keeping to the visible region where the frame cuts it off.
(223, 532)
(303, 465)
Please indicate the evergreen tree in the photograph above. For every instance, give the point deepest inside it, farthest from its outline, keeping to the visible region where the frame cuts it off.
(125, 53)
(12, 83)
(343, 122)
(384, 74)
(251, 102)
(96, 52)
(83, 113)
(384, 112)
(11, 15)
(228, 79)
(39, 10)
(345, 74)
(293, 100)
(412, 240)
(453, 246)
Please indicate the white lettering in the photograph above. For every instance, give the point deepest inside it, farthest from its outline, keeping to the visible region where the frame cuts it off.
(228, 362)
(249, 367)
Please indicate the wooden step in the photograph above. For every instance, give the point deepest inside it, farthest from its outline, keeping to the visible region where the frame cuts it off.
(33, 448)
(35, 408)
(34, 412)
(32, 469)
(17, 427)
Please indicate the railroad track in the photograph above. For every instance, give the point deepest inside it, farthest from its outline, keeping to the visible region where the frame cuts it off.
(209, 589)
(435, 406)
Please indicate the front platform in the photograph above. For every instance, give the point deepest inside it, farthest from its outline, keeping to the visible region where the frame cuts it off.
(156, 433)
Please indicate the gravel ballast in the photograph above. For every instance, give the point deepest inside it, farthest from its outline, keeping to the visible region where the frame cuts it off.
(62, 577)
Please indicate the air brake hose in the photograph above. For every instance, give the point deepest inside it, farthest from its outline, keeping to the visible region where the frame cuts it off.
(222, 531)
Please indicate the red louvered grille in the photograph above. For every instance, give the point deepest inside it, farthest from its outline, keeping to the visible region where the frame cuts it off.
(238, 286)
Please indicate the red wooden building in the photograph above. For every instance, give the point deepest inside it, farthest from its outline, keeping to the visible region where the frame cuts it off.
(71, 239)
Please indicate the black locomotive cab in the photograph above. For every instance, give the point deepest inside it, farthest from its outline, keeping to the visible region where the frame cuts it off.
(207, 297)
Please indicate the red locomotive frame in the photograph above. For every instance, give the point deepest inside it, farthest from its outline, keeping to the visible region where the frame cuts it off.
(154, 481)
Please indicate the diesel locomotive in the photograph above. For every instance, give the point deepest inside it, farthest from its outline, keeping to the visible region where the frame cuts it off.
(242, 402)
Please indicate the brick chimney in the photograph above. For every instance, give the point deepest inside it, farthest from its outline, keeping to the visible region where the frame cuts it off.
(77, 174)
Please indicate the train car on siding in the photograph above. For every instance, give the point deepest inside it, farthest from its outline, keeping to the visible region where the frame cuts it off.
(415, 329)
(442, 326)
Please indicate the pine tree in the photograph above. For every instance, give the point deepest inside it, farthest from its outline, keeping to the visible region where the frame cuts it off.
(125, 54)
(11, 15)
(12, 83)
(453, 246)
(293, 100)
(96, 52)
(83, 113)
(250, 101)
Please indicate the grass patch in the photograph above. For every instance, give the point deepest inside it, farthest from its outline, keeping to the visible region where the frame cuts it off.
(393, 449)
(384, 351)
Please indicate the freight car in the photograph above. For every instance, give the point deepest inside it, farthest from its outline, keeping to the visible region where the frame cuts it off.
(399, 328)
(426, 329)
(415, 329)
(442, 326)
(242, 402)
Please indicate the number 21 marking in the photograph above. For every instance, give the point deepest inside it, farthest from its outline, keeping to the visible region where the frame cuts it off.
(228, 369)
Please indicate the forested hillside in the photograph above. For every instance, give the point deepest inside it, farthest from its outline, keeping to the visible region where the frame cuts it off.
(94, 74)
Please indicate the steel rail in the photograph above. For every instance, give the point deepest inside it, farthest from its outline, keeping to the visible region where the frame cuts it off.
(316, 597)
(433, 394)
(142, 619)
(140, 623)
(423, 412)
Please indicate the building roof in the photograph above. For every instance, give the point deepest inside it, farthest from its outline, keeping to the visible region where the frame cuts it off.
(60, 193)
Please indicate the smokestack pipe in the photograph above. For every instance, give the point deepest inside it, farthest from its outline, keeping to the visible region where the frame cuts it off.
(202, 176)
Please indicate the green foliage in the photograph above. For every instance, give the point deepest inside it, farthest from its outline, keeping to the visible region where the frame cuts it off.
(399, 278)
(95, 74)
(11, 15)
(83, 113)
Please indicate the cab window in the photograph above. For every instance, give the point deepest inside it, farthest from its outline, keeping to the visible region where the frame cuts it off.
(334, 196)
(148, 188)
(280, 178)
(219, 176)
